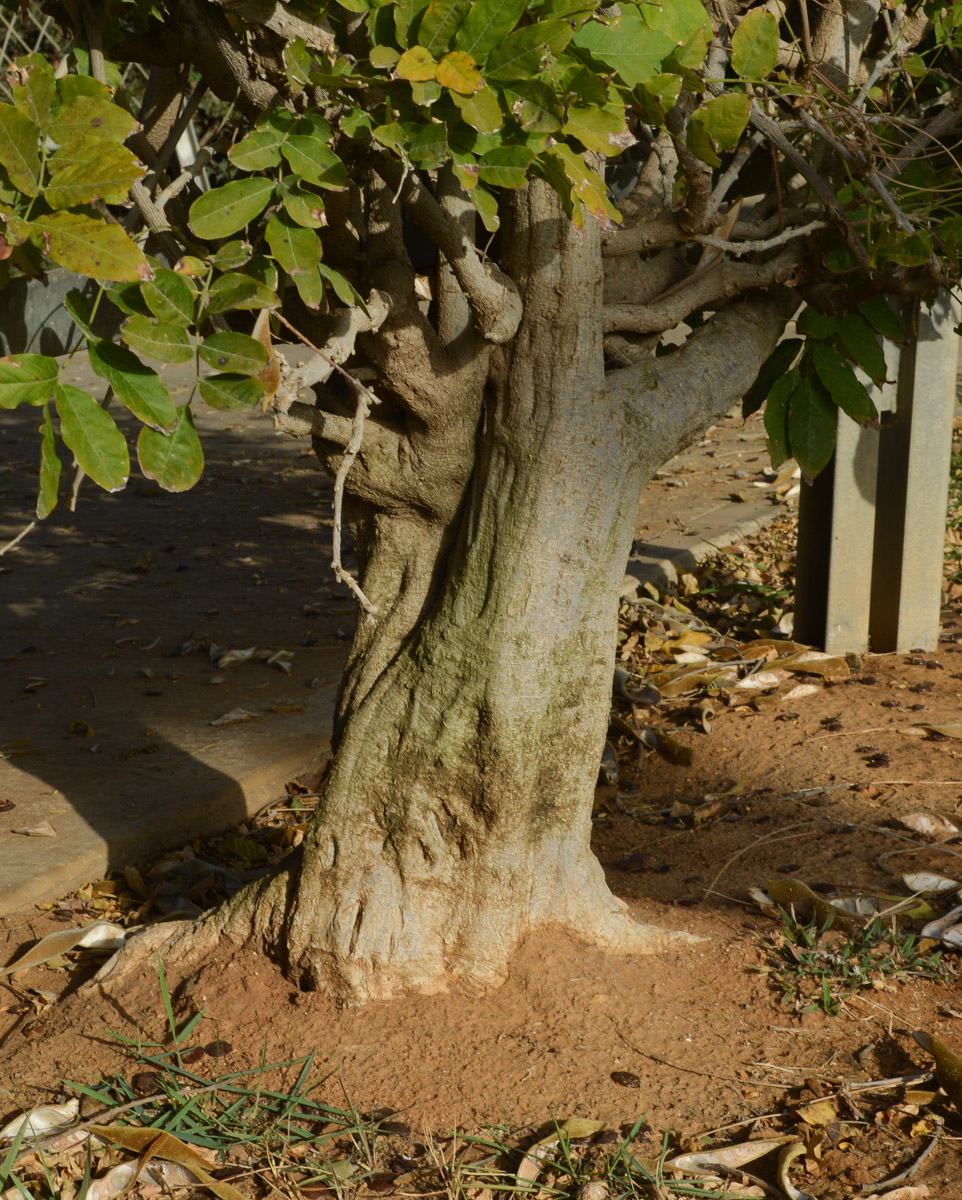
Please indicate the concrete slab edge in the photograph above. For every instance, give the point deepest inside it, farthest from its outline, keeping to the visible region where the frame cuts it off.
(664, 570)
(199, 815)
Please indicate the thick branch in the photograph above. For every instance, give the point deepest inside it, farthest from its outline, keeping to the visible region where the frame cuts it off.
(932, 133)
(840, 38)
(278, 18)
(337, 349)
(669, 400)
(721, 282)
(493, 297)
(212, 47)
(663, 230)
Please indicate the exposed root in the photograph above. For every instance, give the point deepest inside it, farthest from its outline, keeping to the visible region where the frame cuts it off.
(256, 915)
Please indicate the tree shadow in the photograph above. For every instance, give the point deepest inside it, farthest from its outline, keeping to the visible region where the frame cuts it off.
(109, 615)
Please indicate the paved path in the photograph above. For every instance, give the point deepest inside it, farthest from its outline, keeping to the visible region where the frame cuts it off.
(107, 687)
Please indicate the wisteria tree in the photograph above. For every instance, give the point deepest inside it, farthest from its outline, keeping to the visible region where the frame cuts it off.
(475, 221)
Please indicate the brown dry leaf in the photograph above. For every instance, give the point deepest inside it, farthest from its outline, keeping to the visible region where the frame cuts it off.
(948, 1065)
(44, 829)
(42, 1120)
(950, 731)
(153, 1144)
(98, 935)
(799, 692)
(914, 1191)
(533, 1161)
(733, 1157)
(233, 717)
(819, 1112)
(929, 881)
(793, 891)
(815, 662)
(933, 825)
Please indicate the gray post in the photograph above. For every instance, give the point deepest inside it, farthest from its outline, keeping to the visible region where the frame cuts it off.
(871, 528)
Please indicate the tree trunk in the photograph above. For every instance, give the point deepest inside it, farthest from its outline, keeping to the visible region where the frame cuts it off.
(474, 710)
(457, 814)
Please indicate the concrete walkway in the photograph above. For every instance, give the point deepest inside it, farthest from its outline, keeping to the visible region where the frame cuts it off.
(108, 691)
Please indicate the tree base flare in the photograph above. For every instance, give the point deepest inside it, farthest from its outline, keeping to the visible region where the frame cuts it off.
(258, 918)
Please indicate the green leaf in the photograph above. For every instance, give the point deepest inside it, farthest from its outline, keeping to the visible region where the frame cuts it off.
(416, 64)
(99, 173)
(657, 96)
(459, 72)
(598, 129)
(678, 20)
(158, 339)
(258, 151)
(298, 62)
(236, 353)
(698, 139)
(229, 208)
(75, 302)
(429, 148)
(577, 184)
(20, 149)
(170, 297)
(425, 94)
(487, 24)
(91, 117)
(312, 160)
(136, 386)
(628, 46)
(527, 51)
(32, 87)
(533, 105)
(230, 392)
(441, 21)
(27, 379)
(239, 291)
(878, 313)
(725, 118)
(343, 288)
(383, 58)
(90, 247)
(755, 45)
(129, 298)
(71, 87)
(232, 254)
(482, 110)
(303, 207)
(776, 417)
(296, 249)
(90, 432)
(842, 384)
(816, 324)
(812, 426)
(50, 467)
(487, 208)
(506, 166)
(778, 363)
(310, 287)
(175, 460)
(861, 343)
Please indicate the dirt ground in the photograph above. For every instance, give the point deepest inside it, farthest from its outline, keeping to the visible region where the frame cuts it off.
(712, 1043)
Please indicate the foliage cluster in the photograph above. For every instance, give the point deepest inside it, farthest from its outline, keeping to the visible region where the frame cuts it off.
(496, 91)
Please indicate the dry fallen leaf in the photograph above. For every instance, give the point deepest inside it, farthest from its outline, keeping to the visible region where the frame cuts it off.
(151, 1143)
(98, 935)
(38, 1121)
(933, 825)
(233, 717)
(948, 1065)
(733, 1157)
(44, 829)
(929, 881)
(533, 1161)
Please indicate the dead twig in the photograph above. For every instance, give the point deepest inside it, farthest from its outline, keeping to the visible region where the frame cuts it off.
(888, 1184)
(19, 538)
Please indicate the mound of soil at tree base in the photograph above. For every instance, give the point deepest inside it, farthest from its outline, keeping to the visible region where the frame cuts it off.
(697, 1040)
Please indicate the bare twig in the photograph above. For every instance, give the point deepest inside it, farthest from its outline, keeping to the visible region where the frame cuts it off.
(888, 1184)
(365, 399)
(19, 538)
(176, 186)
(750, 247)
(340, 346)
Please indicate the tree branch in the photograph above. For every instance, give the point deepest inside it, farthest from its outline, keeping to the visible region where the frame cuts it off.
(493, 297)
(942, 123)
(719, 283)
(670, 400)
(757, 246)
(662, 230)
